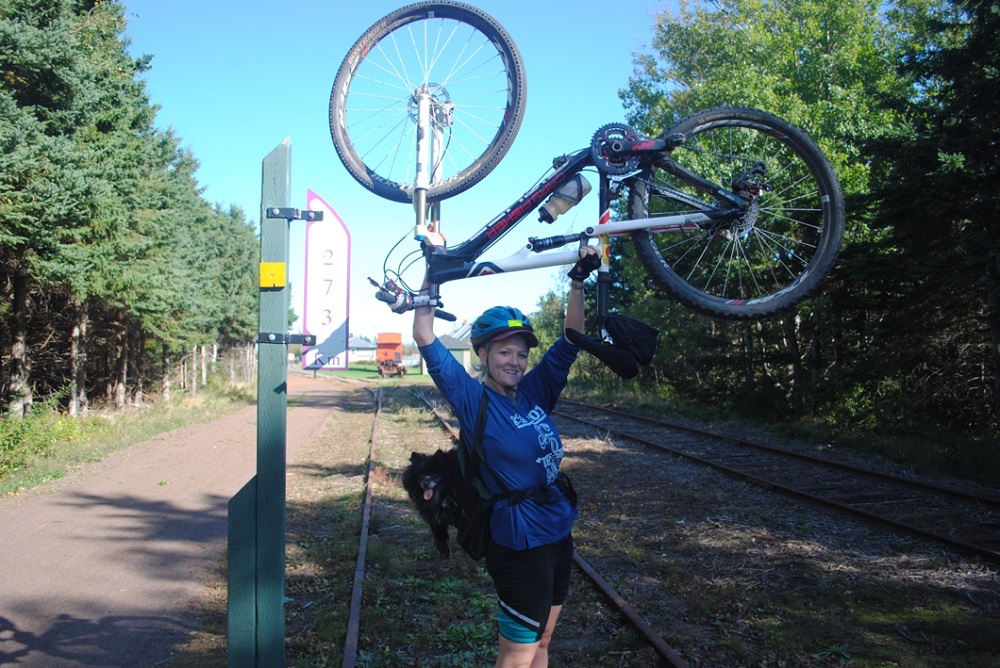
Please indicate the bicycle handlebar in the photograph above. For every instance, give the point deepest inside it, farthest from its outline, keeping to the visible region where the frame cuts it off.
(401, 301)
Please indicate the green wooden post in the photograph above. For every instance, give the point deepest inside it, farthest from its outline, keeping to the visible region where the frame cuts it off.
(257, 512)
(272, 405)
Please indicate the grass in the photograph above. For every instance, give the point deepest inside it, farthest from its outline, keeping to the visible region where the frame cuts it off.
(363, 371)
(731, 579)
(47, 445)
(732, 582)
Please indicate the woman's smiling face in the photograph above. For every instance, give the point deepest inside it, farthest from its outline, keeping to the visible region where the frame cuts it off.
(506, 361)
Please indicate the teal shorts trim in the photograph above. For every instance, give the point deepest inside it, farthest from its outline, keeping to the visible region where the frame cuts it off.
(517, 628)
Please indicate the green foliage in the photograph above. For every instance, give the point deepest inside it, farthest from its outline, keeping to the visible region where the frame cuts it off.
(938, 202)
(547, 321)
(39, 433)
(100, 210)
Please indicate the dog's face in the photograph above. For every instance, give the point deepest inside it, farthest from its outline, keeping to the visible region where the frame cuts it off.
(426, 477)
(428, 480)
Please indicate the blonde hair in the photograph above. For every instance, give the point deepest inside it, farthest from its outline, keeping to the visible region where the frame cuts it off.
(476, 368)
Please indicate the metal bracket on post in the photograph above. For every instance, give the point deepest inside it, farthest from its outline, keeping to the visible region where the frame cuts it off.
(290, 214)
(281, 337)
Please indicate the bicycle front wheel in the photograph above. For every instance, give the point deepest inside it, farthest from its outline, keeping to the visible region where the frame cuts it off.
(764, 261)
(459, 58)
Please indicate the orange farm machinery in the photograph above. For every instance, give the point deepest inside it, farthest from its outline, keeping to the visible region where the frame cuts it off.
(389, 354)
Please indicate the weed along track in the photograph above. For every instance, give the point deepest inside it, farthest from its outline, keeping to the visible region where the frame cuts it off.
(699, 568)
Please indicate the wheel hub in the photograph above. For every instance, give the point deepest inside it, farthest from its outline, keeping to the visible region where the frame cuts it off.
(441, 106)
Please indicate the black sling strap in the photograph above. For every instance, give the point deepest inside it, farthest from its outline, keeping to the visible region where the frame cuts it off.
(477, 454)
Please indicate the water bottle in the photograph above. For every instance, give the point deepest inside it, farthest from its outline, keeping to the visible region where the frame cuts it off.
(565, 197)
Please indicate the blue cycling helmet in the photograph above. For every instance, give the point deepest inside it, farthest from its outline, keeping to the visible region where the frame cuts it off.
(500, 322)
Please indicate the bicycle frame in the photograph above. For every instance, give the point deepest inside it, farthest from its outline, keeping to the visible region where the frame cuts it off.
(449, 264)
(463, 261)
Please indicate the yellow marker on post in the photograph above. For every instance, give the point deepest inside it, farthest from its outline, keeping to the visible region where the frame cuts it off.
(273, 275)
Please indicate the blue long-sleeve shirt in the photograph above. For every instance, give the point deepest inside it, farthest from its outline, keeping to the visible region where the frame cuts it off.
(520, 441)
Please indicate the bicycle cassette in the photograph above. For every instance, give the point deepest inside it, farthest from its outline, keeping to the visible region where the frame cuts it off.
(608, 148)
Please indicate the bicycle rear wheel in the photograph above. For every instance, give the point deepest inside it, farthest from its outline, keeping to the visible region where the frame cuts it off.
(765, 261)
(474, 75)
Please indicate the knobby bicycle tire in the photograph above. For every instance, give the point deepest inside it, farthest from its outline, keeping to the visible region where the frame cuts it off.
(767, 260)
(475, 74)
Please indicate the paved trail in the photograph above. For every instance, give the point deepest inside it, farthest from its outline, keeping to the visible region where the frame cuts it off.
(98, 569)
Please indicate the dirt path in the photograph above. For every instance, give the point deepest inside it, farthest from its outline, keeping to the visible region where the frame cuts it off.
(98, 569)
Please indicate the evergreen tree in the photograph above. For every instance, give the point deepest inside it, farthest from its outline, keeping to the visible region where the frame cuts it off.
(46, 192)
(106, 243)
(938, 201)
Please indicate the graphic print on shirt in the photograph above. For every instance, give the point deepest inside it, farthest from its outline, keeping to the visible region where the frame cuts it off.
(547, 440)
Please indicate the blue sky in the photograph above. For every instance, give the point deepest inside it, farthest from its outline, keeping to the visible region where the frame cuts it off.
(234, 80)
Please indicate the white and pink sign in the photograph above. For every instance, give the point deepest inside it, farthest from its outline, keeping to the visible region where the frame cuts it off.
(327, 287)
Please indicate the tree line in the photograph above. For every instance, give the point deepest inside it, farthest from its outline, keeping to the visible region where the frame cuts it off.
(115, 272)
(904, 98)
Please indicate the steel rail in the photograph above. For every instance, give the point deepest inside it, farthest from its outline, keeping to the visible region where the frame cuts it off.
(354, 613)
(843, 466)
(956, 543)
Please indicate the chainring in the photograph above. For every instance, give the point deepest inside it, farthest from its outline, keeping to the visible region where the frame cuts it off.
(604, 156)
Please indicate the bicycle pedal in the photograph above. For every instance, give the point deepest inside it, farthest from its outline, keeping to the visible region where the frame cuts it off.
(674, 140)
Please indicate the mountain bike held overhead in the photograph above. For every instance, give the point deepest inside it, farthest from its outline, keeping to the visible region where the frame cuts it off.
(735, 213)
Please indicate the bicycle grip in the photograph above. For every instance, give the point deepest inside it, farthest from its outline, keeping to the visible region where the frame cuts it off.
(444, 315)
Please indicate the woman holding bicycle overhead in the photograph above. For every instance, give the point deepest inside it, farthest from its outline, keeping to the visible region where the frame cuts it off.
(530, 553)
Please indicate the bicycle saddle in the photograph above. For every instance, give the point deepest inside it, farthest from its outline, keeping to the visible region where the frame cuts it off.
(622, 362)
(633, 344)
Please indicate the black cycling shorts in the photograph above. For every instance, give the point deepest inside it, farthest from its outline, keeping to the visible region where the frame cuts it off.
(529, 583)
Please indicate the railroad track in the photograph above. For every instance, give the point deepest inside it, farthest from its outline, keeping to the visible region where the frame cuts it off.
(638, 518)
(964, 521)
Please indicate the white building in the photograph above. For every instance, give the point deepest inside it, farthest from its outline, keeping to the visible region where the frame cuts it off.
(360, 350)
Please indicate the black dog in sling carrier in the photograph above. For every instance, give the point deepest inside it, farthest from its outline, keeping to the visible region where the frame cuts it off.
(448, 490)
(439, 491)
(432, 482)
